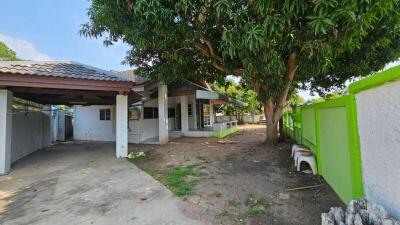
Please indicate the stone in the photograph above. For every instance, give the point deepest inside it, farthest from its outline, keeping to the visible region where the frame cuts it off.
(338, 214)
(284, 196)
(388, 222)
(376, 213)
(357, 220)
(327, 219)
(358, 212)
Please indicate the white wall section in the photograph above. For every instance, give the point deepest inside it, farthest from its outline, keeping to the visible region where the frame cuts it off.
(378, 112)
(88, 126)
(30, 132)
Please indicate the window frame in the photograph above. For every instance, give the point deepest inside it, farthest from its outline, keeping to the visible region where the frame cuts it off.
(105, 114)
(190, 110)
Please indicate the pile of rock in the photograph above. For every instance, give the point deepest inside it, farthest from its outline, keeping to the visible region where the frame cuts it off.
(358, 212)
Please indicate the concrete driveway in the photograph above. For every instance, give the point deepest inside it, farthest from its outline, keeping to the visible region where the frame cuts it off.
(83, 183)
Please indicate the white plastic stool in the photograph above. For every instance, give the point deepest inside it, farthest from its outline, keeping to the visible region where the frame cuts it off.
(298, 153)
(295, 148)
(310, 159)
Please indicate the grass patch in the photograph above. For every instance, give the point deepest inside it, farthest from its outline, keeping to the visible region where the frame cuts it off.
(138, 158)
(256, 207)
(180, 179)
(232, 203)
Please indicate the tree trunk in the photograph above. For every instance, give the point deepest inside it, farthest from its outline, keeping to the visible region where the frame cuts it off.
(271, 123)
(273, 107)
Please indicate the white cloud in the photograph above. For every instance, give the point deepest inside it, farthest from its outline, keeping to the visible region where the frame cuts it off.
(24, 49)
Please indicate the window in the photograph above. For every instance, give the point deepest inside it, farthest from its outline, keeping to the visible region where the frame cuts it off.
(190, 110)
(171, 112)
(150, 113)
(105, 114)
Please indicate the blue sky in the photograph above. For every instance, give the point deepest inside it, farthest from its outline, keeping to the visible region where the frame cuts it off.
(49, 30)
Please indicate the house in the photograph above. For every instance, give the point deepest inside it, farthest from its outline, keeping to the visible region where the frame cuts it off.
(108, 106)
(181, 109)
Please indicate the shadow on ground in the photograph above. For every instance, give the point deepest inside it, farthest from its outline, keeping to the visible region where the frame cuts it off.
(244, 181)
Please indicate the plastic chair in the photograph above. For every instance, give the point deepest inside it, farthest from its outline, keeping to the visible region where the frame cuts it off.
(299, 152)
(310, 159)
(295, 148)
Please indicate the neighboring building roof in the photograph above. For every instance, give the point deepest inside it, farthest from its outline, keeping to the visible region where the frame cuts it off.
(186, 85)
(64, 69)
(131, 75)
(378, 79)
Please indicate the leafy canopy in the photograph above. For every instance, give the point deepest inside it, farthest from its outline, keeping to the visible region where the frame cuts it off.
(6, 54)
(241, 93)
(331, 40)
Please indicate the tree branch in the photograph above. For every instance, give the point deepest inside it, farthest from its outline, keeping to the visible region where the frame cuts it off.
(291, 71)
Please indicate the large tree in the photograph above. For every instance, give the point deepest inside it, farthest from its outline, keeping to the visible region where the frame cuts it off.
(273, 45)
(6, 53)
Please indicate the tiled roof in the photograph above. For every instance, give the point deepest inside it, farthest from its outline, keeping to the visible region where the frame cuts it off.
(65, 69)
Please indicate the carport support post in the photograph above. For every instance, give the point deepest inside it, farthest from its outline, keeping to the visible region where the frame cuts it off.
(184, 115)
(121, 142)
(162, 113)
(6, 100)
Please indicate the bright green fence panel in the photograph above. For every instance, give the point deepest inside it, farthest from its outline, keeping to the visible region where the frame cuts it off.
(334, 150)
(329, 129)
(308, 128)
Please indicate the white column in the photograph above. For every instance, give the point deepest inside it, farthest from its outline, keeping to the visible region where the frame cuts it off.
(184, 115)
(162, 113)
(121, 126)
(6, 99)
(194, 113)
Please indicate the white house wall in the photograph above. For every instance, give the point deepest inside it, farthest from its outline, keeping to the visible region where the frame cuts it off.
(378, 112)
(30, 132)
(88, 126)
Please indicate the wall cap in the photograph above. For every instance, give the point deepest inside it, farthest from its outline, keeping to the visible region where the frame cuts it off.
(375, 80)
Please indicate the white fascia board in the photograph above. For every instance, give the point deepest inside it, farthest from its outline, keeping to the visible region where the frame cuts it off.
(200, 94)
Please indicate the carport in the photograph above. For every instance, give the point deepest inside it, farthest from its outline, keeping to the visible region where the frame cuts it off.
(61, 83)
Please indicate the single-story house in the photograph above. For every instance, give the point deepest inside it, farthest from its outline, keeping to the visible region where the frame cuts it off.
(162, 112)
(108, 106)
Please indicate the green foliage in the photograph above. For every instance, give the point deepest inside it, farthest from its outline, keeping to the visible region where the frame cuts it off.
(334, 39)
(242, 93)
(6, 54)
(275, 46)
(180, 180)
(326, 97)
(256, 207)
(295, 100)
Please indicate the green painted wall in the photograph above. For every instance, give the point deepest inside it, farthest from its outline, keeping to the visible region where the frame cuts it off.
(308, 128)
(329, 129)
(334, 145)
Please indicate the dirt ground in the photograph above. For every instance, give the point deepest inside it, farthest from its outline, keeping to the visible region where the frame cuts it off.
(245, 182)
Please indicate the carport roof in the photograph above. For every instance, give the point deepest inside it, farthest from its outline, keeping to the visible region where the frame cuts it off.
(63, 82)
(65, 69)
